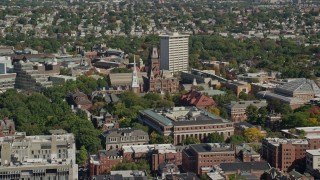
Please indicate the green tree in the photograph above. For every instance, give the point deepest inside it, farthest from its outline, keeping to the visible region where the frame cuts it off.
(252, 114)
(191, 140)
(82, 157)
(236, 139)
(215, 138)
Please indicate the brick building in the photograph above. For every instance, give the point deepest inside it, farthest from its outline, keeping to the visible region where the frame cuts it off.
(79, 100)
(245, 153)
(194, 98)
(7, 127)
(154, 153)
(160, 155)
(102, 162)
(240, 127)
(116, 138)
(237, 109)
(184, 122)
(198, 156)
(237, 86)
(160, 80)
(287, 154)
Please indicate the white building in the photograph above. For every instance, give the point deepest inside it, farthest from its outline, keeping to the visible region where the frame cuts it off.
(38, 157)
(174, 52)
(313, 159)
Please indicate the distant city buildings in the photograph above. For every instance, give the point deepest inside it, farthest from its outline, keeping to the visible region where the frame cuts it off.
(38, 157)
(174, 54)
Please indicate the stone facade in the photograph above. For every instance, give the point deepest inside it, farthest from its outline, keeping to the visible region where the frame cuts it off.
(38, 157)
(116, 138)
(184, 122)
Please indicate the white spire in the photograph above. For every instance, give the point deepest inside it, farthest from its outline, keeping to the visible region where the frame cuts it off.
(194, 83)
(135, 83)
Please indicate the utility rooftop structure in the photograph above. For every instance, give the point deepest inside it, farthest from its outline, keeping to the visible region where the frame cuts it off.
(184, 122)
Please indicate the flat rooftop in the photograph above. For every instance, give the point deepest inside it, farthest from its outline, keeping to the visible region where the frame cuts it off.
(211, 147)
(278, 141)
(181, 116)
(314, 152)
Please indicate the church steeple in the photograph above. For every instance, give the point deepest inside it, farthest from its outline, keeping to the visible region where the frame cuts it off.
(135, 81)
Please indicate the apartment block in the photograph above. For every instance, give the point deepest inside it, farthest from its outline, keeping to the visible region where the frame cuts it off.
(174, 54)
(285, 154)
(38, 157)
(33, 76)
(313, 162)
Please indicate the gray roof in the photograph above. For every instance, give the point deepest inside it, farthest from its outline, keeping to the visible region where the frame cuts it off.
(245, 104)
(119, 132)
(111, 98)
(244, 166)
(183, 176)
(301, 85)
(163, 120)
(109, 153)
(285, 99)
(199, 118)
(211, 147)
(125, 78)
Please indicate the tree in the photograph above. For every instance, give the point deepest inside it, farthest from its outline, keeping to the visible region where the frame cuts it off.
(191, 140)
(214, 110)
(253, 135)
(215, 138)
(236, 139)
(236, 177)
(156, 138)
(252, 114)
(82, 157)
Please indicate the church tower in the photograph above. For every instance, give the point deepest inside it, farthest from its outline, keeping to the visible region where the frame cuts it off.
(135, 81)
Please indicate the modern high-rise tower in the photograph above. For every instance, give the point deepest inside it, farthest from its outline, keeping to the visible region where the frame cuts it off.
(174, 52)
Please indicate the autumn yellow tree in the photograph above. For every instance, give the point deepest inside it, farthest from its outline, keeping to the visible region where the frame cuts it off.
(253, 135)
(214, 111)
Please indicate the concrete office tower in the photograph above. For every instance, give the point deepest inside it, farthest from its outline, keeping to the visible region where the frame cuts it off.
(174, 52)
